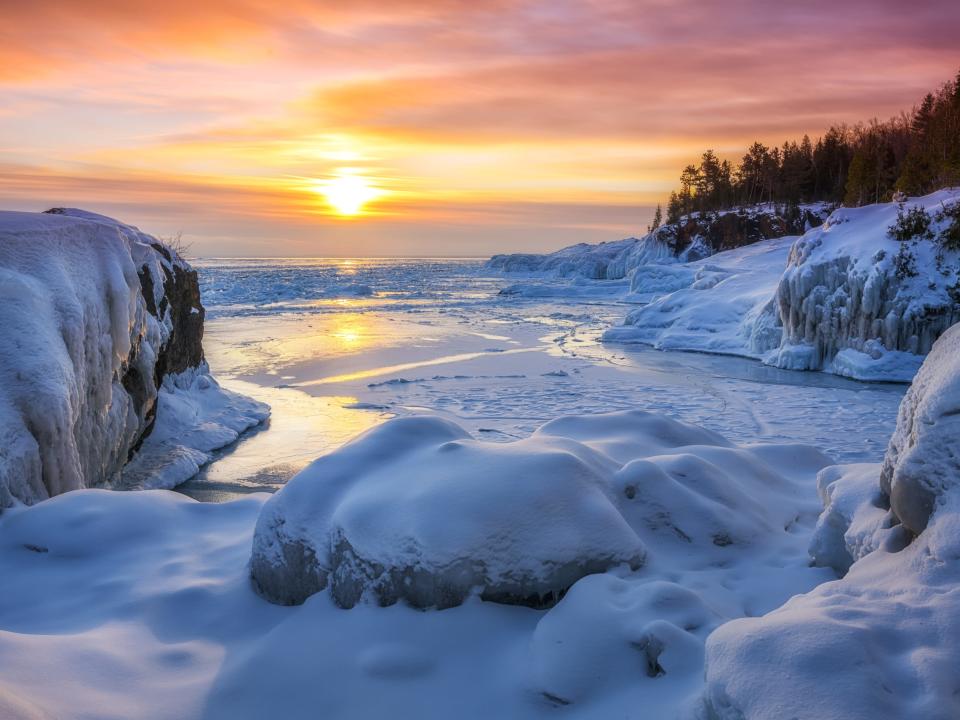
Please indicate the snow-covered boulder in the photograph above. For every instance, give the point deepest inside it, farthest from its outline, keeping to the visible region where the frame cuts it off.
(418, 510)
(881, 641)
(860, 303)
(922, 464)
(95, 317)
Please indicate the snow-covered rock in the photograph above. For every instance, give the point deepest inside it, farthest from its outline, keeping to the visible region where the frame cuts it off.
(95, 317)
(605, 261)
(922, 464)
(844, 306)
(881, 641)
(418, 510)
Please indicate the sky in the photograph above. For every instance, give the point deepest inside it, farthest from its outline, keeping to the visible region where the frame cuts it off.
(427, 127)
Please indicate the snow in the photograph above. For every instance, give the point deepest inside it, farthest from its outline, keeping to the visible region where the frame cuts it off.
(721, 304)
(195, 418)
(829, 300)
(78, 349)
(604, 261)
(140, 604)
(880, 642)
(416, 509)
(922, 464)
(684, 241)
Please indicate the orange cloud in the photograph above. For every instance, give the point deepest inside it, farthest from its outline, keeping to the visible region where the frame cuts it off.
(534, 116)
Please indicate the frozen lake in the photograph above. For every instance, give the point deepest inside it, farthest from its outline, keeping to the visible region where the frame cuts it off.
(336, 346)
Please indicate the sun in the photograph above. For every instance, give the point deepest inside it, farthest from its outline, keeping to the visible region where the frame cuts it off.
(347, 193)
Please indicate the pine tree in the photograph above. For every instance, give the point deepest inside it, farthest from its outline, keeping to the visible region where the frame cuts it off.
(657, 220)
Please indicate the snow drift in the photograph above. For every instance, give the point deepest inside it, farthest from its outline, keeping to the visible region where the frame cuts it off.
(722, 304)
(95, 319)
(417, 510)
(881, 641)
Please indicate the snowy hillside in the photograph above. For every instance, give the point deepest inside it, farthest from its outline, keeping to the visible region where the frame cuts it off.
(696, 236)
(845, 297)
(881, 641)
(101, 359)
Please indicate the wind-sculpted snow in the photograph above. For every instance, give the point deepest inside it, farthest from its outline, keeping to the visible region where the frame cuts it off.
(881, 641)
(94, 316)
(418, 510)
(605, 261)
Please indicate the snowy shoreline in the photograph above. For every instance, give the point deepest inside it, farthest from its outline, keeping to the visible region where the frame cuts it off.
(626, 554)
(835, 299)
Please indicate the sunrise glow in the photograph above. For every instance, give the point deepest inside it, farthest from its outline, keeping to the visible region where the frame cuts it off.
(233, 121)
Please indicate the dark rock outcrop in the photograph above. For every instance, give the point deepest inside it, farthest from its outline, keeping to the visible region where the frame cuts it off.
(711, 233)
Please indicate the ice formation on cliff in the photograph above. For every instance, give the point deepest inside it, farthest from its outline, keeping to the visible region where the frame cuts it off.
(832, 300)
(94, 316)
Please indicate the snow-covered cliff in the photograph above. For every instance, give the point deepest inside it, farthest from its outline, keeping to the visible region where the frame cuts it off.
(100, 344)
(696, 236)
(846, 297)
(862, 303)
(881, 641)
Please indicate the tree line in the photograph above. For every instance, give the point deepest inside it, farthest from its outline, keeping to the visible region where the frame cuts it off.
(914, 153)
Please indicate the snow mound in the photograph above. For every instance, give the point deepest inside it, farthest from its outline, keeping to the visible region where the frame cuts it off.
(94, 315)
(418, 510)
(609, 632)
(922, 464)
(842, 291)
(881, 641)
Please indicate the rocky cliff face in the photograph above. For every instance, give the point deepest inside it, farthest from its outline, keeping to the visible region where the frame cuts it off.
(95, 318)
(703, 234)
